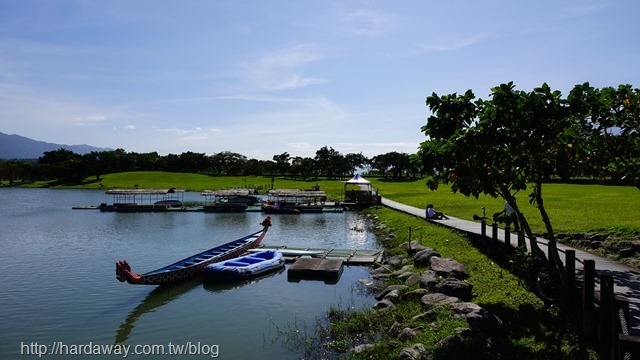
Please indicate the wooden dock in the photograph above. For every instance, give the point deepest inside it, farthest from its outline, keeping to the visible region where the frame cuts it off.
(308, 268)
(323, 264)
(348, 256)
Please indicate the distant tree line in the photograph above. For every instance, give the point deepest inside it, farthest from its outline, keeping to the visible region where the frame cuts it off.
(592, 134)
(67, 166)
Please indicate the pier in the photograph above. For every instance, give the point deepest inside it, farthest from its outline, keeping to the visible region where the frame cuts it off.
(323, 264)
(348, 256)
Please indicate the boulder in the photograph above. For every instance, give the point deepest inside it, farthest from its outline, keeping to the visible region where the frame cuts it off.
(415, 294)
(413, 247)
(429, 279)
(396, 261)
(426, 317)
(416, 352)
(412, 280)
(384, 304)
(382, 294)
(403, 272)
(383, 269)
(392, 295)
(478, 318)
(435, 299)
(362, 349)
(456, 288)
(455, 339)
(408, 334)
(448, 267)
(422, 257)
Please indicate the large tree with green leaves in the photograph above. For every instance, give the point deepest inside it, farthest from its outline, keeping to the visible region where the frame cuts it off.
(502, 146)
(611, 129)
(282, 162)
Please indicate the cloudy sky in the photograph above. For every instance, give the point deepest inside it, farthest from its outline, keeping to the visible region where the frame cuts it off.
(266, 77)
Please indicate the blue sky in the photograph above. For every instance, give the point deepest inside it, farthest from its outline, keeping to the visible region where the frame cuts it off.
(262, 78)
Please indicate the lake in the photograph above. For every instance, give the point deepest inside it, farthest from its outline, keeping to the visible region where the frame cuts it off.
(59, 291)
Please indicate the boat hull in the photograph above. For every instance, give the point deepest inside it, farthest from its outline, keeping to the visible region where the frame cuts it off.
(194, 265)
(270, 209)
(246, 267)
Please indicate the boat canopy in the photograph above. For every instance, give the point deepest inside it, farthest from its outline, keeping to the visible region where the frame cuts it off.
(295, 195)
(133, 196)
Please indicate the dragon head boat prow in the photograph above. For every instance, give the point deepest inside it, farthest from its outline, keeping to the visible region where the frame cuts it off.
(124, 273)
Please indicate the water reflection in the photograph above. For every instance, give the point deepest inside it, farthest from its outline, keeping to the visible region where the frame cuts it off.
(166, 294)
(159, 296)
(357, 232)
(224, 286)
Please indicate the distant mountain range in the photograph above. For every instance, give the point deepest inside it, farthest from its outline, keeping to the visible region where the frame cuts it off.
(20, 147)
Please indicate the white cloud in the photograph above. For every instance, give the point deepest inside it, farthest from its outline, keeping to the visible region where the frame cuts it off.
(368, 23)
(449, 43)
(194, 134)
(281, 70)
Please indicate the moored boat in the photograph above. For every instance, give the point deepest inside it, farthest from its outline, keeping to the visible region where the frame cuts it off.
(247, 266)
(276, 209)
(194, 265)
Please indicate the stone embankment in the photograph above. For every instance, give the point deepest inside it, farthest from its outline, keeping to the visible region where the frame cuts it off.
(433, 281)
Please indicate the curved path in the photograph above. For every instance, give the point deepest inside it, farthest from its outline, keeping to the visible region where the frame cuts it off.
(626, 278)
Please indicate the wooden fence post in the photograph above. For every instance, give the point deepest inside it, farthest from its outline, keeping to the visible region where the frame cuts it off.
(483, 228)
(507, 237)
(494, 231)
(588, 283)
(606, 315)
(570, 277)
(521, 241)
(624, 343)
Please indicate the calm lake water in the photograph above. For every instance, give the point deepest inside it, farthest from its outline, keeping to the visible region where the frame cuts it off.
(59, 287)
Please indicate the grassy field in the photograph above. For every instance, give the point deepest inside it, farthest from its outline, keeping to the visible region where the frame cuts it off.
(572, 208)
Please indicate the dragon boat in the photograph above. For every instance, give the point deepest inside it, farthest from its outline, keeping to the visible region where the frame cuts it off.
(245, 267)
(193, 265)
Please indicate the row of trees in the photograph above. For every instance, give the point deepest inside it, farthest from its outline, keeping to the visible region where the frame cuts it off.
(516, 140)
(66, 165)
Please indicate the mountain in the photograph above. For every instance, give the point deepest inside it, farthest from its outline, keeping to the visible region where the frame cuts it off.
(20, 147)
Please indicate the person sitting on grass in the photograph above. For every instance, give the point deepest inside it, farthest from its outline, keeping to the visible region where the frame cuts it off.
(432, 214)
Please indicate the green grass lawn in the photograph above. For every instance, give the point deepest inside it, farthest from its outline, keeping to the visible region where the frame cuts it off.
(571, 207)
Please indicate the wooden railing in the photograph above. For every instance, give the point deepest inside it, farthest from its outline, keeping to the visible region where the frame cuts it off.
(605, 316)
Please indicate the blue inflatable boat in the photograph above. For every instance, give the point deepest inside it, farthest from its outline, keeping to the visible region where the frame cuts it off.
(245, 267)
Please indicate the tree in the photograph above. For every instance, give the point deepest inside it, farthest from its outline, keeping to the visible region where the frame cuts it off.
(394, 162)
(10, 171)
(62, 164)
(611, 130)
(327, 161)
(356, 161)
(228, 163)
(282, 162)
(500, 147)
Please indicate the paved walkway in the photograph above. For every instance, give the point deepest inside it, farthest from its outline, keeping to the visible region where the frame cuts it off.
(626, 278)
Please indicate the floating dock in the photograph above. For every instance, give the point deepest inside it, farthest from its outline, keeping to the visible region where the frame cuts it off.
(326, 269)
(348, 256)
(323, 264)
